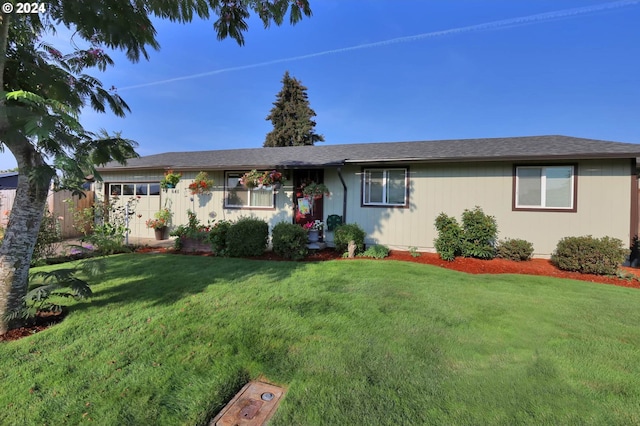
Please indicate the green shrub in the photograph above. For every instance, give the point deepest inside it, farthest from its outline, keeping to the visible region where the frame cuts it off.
(589, 255)
(475, 238)
(377, 252)
(413, 251)
(107, 234)
(447, 243)
(347, 232)
(289, 241)
(514, 249)
(479, 234)
(48, 240)
(247, 237)
(218, 237)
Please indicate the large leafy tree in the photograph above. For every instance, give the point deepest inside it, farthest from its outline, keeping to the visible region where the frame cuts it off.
(43, 90)
(292, 117)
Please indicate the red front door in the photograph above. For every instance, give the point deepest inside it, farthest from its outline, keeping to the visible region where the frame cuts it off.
(304, 209)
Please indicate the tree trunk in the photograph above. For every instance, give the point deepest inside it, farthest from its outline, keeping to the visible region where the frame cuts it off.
(22, 229)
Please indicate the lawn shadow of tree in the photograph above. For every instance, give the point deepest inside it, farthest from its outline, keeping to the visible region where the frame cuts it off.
(149, 277)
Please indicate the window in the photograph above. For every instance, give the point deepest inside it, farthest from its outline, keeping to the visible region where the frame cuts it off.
(131, 189)
(115, 189)
(384, 187)
(142, 189)
(545, 187)
(128, 189)
(154, 189)
(239, 196)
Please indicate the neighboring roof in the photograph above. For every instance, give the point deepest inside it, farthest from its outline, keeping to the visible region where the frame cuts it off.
(9, 180)
(457, 150)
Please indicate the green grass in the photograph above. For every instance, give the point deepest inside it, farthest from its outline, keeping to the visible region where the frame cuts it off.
(170, 339)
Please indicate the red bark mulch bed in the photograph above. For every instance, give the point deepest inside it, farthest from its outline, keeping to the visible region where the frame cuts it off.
(502, 266)
(468, 265)
(42, 321)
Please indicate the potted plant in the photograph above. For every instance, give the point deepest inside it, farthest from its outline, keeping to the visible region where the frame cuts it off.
(160, 222)
(170, 179)
(314, 228)
(315, 191)
(201, 185)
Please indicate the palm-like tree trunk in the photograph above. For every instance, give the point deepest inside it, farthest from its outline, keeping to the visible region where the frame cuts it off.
(28, 207)
(22, 231)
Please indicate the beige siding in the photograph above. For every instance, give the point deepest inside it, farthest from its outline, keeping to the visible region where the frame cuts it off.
(207, 208)
(603, 204)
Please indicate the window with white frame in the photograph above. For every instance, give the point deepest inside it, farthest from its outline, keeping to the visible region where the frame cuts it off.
(545, 187)
(131, 189)
(239, 196)
(384, 187)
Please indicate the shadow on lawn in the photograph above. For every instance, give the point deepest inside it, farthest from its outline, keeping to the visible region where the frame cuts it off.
(150, 278)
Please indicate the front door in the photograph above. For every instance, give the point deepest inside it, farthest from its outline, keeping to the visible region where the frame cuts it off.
(306, 209)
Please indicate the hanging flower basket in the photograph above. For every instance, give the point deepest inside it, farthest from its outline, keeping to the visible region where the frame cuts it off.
(256, 179)
(201, 185)
(315, 191)
(170, 179)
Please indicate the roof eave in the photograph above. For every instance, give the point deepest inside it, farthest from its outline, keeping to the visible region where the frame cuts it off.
(226, 167)
(498, 158)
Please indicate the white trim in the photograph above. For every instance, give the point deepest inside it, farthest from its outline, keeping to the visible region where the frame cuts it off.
(543, 187)
(249, 192)
(385, 176)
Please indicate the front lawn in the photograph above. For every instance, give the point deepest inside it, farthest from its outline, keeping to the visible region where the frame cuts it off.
(169, 339)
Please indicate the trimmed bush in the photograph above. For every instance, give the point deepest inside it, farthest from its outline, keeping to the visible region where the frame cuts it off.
(377, 252)
(247, 237)
(218, 237)
(49, 238)
(289, 241)
(479, 234)
(514, 249)
(347, 232)
(589, 255)
(447, 243)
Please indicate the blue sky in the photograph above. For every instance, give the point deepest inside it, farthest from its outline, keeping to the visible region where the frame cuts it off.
(390, 70)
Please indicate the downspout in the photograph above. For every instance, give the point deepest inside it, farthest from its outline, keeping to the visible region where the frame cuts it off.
(634, 256)
(344, 196)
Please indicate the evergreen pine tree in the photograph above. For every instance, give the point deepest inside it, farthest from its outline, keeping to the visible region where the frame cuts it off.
(291, 116)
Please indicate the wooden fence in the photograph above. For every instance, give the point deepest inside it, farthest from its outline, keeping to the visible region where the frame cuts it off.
(6, 203)
(63, 209)
(59, 208)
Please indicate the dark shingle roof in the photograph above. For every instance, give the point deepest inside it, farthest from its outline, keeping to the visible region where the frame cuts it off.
(9, 180)
(460, 150)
